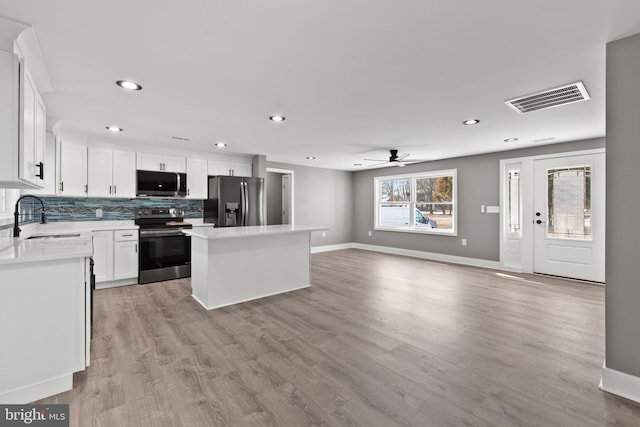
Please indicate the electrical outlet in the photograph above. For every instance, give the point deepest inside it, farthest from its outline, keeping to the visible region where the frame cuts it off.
(369, 233)
(481, 208)
(464, 242)
(324, 234)
(99, 213)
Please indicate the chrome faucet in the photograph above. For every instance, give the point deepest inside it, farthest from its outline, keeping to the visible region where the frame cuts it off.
(16, 214)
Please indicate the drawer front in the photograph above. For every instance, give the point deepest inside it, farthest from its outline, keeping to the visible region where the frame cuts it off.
(125, 235)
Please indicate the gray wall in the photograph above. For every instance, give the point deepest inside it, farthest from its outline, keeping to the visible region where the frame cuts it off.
(322, 197)
(478, 184)
(274, 198)
(623, 204)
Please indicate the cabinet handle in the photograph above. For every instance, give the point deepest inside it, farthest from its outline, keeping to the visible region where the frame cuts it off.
(41, 173)
(127, 235)
(61, 186)
(86, 188)
(136, 248)
(188, 191)
(115, 189)
(109, 189)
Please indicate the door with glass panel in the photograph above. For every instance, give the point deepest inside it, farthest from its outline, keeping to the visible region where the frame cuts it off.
(568, 221)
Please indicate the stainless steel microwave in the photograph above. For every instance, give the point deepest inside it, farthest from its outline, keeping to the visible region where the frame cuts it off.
(161, 184)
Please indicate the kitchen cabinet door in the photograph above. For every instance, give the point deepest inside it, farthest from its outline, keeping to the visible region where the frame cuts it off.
(230, 165)
(125, 260)
(28, 144)
(49, 186)
(158, 162)
(41, 143)
(100, 172)
(174, 164)
(72, 169)
(124, 174)
(149, 162)
(218, 167)
(22, 116)
(103, 255)
(197, 179)
(241, 166)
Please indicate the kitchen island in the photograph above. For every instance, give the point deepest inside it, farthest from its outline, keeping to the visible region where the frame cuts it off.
(230, 265)
(45, 315)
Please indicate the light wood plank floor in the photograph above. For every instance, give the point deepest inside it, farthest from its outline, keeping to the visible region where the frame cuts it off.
(378, 340)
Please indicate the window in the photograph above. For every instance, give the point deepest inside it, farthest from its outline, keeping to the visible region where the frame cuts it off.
(421, 203)
(513, 203)
(3, 201)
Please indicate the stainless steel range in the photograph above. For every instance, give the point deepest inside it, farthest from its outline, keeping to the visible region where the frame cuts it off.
(165, 252)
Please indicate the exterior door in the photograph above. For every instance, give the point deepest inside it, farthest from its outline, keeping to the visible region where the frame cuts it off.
(569, 217)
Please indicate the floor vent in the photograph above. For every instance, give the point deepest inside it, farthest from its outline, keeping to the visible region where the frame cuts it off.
(562, 95)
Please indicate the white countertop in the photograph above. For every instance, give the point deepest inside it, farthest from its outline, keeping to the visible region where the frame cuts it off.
(75, 227)
(19, 250)
(249, 231)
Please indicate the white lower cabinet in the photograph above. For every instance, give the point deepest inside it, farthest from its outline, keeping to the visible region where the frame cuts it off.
(125, 255)
(115, 254)
(103, 255)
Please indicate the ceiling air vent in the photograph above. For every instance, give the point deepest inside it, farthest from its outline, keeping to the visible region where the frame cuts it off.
(562, 95)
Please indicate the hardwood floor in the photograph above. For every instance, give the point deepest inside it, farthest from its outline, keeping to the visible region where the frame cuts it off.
(378, 340)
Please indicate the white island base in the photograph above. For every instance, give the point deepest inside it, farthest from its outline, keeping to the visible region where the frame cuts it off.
(237, 264)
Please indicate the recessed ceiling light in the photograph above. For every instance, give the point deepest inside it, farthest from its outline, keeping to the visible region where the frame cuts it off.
(310, 158)
(471, 122)
(221, 144)
(277, 118)
(511, 140)
(129, 85)
(114, 129)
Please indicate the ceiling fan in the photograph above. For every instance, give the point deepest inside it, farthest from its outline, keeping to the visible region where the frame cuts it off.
(396, 160)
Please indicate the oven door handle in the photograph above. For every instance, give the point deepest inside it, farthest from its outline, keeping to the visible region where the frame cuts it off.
(161, 233)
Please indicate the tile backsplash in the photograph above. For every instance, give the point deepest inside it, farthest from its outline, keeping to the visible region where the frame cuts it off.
(84, 209)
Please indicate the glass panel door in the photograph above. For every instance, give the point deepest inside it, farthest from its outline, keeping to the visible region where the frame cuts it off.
(569, 202)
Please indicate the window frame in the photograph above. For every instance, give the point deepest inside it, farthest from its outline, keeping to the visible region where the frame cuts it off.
(413, 177)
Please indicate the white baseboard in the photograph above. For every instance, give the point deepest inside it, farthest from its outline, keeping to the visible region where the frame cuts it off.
(432, 256)
(327, 248)
(415, 254)
(619, 383)
(38, 391)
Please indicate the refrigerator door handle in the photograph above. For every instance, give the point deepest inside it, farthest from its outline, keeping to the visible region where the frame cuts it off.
(243, 200)
(261, 204)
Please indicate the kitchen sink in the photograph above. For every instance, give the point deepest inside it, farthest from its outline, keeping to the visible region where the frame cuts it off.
(53, 236)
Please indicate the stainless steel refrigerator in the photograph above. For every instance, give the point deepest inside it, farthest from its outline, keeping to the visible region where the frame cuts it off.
(234, 201)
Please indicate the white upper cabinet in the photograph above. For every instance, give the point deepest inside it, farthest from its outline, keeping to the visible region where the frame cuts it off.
(159, 162)
(100, 172)
(230, 165)
(197, 179)
(22, 134)
(111, 173)
(124, 174)
(49, 188)
(72, 167)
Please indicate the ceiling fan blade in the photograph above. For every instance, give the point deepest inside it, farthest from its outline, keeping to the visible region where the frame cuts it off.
(377, 160)
(413, 161)
(404, 156)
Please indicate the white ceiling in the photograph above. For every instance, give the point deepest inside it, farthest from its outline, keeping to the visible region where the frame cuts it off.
(354, 78)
